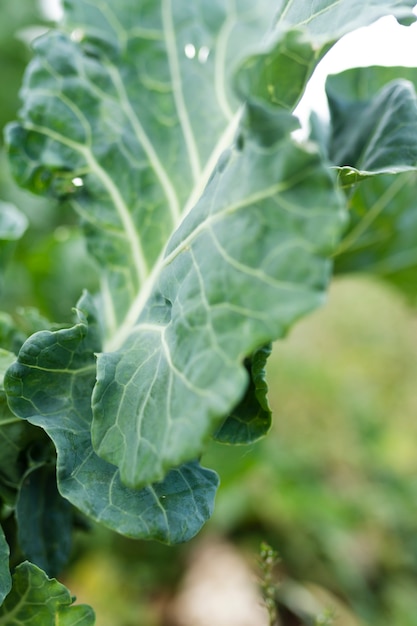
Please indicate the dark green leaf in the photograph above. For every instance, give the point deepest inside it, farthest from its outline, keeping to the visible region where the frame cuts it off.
(374, 131)
(5, 578)
(251, 419)
(374, 135)
(382, 237)
(44, 520)
(36, 600)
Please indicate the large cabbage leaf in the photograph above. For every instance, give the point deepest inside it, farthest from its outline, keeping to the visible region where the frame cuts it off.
(169, 127)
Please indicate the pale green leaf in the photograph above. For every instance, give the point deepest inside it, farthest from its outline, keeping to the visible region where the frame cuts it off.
(247, 262)
(212, 228)
(51, 385)
(113, 102)
(36, 600)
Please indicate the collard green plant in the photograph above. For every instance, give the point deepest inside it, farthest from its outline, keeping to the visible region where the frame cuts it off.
(168, 126)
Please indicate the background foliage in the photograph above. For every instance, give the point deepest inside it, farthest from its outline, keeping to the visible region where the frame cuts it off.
(332, 489)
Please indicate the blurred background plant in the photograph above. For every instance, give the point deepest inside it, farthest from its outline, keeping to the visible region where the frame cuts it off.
(332, 489)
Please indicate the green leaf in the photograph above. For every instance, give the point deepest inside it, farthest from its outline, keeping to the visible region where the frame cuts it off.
(36, 600)
(5, 578)
(15, 435)
(289, 55)
(50, 385)
(212, 228)
(383, 231)
(44, 520)
(251, 419)
(216, 299)
(372, 134)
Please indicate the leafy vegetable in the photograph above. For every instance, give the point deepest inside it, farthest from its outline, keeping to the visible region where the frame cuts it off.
(213, 229)
(169, 129)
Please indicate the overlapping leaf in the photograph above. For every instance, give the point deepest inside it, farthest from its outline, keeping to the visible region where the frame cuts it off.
(207, 254)
(242, 267)
(36, 600)
(134, 103)
(51, 385)
(374, 133)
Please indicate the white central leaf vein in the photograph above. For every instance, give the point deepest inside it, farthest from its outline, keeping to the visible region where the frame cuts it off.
(256, 197)
(130, 323)
(224, 142)
(171, 45)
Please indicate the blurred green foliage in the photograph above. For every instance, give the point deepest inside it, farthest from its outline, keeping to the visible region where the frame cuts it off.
(50, 265)
(334, 487)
